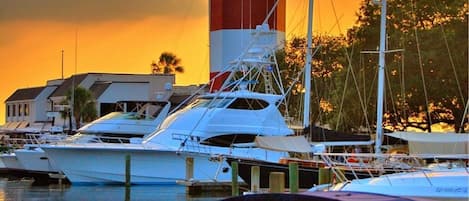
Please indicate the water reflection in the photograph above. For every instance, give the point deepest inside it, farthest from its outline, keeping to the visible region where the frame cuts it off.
(23, 190)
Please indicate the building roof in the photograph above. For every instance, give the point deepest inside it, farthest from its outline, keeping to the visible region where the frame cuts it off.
(99, 88)
(67, 84)
(25, 94)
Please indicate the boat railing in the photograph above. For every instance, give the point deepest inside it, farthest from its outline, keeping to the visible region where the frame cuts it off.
(372, 164)
(386, 163)
(33, 138)
(86, 138)
(190, 143)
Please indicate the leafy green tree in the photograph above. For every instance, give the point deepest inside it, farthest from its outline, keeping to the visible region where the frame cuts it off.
(327, 59)
(167, 63)
(426, 82)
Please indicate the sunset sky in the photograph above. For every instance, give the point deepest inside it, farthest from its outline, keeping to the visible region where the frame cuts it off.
(122, 36)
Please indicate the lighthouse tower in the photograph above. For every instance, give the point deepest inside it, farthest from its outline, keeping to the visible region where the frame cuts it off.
(232, 26)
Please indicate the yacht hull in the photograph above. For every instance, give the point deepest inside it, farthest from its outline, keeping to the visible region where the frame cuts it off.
(35, 160)
(11, 162)
(95, 165)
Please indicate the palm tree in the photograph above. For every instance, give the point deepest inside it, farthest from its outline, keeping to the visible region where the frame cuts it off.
(84, 105)
(168, 63)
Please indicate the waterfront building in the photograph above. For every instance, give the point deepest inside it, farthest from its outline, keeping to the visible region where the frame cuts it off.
(38, 109)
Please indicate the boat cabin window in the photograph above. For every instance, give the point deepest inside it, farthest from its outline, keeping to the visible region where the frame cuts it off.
(248, 104)
(229, 139)
(210, 102)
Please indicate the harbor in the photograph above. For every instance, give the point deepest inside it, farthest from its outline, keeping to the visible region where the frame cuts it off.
(345, 117)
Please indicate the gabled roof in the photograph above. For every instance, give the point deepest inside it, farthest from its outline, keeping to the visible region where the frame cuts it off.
(99, 88)
(25, 94)
(67, 84)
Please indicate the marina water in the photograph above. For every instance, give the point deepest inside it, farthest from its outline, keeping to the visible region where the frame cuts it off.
(13, 190)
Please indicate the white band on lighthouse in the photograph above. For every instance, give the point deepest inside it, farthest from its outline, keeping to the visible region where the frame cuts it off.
(232, 26)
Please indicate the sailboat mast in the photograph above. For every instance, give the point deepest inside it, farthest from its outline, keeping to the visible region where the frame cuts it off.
(307, 80)
(381, 65)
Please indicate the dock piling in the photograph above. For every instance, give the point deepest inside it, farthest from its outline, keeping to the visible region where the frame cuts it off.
(234, 179)
(324, 175)
(277, 182)
(293, 177)
(189, 168)
(127, 170)
(255, 178)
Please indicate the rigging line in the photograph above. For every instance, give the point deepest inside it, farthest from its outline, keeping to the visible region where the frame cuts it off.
(318, 100)
(318, 11)
(404, 105)
(368, 99)
(429, 119)
(292, 19)
(363, 107)
(250, 14)
(461, 128)
(274, 7)
(180, 33)
(450, 58)
(335, 15)
(393, 103)
(362, 104)
(242, 21)
(464, 116)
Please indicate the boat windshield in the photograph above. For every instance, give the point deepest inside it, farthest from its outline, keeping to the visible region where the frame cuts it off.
(210, 102)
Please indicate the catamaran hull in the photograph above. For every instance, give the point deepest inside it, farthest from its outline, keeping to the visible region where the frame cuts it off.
(107, 166)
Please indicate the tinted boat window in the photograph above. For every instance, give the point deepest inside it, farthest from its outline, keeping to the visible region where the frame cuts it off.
(229, 139)
(210, 102)
(248, 104)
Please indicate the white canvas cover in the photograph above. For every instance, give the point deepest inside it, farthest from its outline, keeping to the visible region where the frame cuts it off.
(435, 143)
(284, 143)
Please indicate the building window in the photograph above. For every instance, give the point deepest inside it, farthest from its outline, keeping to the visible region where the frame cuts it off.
(20, 110)
(14, 111)
(26, 109)
(8, 110)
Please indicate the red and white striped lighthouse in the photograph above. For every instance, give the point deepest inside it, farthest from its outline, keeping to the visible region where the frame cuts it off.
(232, 24)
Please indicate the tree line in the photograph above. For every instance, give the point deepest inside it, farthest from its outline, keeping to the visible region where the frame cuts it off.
(426, 68)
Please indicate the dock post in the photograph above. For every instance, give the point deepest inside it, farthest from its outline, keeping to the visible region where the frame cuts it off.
(277, 182)
(255, 178)
(324, 175)
(293, 177)
(127, 170)
(234, 179)
(189, 168)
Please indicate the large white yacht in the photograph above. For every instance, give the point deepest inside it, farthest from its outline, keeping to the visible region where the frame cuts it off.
(133, 124)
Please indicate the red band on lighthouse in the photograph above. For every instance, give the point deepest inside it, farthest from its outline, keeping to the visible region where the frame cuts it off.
(232, 24)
